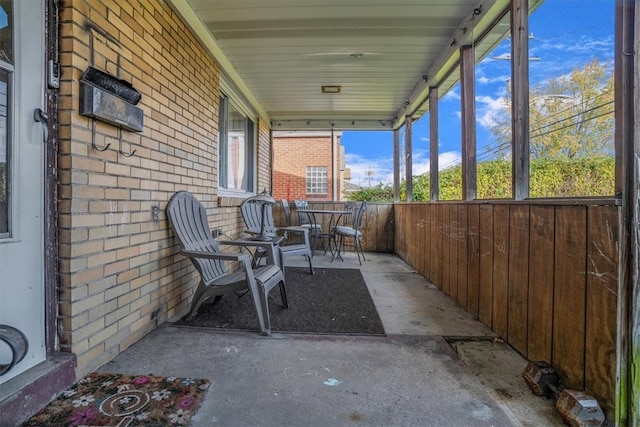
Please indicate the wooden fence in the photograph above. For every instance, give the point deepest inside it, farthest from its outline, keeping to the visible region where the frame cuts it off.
(377, 225)
(543, 276)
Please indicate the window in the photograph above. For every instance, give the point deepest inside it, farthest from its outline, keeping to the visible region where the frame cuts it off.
(236, 148)
(316, 180)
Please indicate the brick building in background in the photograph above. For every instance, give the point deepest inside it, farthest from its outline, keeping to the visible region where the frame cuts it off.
(308, 166)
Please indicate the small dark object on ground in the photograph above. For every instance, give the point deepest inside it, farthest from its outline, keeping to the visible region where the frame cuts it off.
(577, 408)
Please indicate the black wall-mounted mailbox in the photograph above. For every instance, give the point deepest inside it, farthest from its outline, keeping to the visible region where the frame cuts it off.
(102, 105)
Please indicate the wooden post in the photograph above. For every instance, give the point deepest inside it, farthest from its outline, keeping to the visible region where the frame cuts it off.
(396, 165)
(433, 144)
(468, 108)
(334, 169)
(408, 149)
(627, 148)
(520, 98)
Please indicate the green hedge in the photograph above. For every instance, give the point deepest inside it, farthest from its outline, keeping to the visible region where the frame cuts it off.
(548, 178)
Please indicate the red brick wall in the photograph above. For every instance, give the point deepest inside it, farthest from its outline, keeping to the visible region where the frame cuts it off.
(292, 155)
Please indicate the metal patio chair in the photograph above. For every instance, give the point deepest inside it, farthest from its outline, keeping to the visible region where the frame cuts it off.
(315, 230)
(188, 219)
(352, 231)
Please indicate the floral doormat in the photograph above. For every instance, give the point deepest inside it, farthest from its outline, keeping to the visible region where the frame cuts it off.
(102, 399)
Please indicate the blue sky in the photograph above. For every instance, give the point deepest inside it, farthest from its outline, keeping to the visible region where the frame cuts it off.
(566, 35)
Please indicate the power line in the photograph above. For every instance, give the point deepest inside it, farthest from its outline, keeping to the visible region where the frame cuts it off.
(575, 124)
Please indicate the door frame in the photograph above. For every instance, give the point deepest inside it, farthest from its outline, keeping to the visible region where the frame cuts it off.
(50, 214)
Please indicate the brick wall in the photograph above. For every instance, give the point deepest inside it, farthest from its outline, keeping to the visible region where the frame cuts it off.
(120, 275)
(292, 155)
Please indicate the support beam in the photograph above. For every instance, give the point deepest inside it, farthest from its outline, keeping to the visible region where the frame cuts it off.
(627, 148)
(468, 108)
(408, 151)
(396, 165)
(433, 144)
(334, 168)
(520, 98)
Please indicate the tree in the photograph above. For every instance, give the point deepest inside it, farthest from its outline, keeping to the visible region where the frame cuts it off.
(570, 117)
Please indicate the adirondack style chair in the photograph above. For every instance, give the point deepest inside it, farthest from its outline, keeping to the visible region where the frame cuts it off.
(188, 219)
(253, 214)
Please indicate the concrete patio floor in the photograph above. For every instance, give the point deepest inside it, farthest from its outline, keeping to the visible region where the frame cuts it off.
(436, 366)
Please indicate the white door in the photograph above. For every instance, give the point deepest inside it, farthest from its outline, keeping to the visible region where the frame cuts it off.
(22, 166)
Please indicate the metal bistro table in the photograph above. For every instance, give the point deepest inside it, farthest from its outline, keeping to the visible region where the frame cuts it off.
(334, 219)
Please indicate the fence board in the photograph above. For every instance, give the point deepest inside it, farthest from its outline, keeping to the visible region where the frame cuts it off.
(423, 238)
(540, 302)
(433, 252)
(569, 294)
(445, 226)
(439, 239)
(398, 214)
(501, 270)
(453, 252)
(485, 308)
(600, 341)
(463, 257)
(518, 276)
(473, 256)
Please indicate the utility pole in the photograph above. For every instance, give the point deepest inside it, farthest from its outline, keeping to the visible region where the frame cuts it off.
(369, 174)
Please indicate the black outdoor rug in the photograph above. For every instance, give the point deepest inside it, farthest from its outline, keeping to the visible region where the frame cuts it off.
(332, 301)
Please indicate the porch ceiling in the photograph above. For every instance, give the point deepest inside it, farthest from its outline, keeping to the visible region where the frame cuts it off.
(383, 54)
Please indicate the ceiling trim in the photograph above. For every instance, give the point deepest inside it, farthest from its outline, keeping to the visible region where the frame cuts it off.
(327, 124)
(202, 32)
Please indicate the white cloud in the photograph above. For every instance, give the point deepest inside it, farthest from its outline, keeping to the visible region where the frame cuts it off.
(489, 109)
(453, 94)
(449, 159)
(382, 169)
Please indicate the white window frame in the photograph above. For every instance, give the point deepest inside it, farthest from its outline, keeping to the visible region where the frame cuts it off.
(230, 97)
(317, 180)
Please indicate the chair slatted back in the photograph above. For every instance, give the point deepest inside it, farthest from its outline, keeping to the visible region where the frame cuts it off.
(357, 215)
(302, 205)
(188, 219)
(252, 216)
(287, 212)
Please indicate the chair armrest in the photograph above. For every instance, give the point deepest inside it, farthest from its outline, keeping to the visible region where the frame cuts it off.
(295, 229)
(269, 247)
(214, 255)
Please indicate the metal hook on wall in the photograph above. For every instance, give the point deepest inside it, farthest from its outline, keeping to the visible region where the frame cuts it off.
(93, 139)
(120, 145)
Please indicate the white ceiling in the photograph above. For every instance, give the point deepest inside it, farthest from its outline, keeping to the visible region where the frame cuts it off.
(280, 52)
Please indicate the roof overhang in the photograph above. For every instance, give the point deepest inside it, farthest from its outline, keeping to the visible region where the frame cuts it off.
(384, 56)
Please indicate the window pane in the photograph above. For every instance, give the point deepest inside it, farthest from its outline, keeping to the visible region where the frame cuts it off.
(571, 99)
(4, 152)
(450, 143)
(493, 118)
(236, 150)
(317, 177)
(6, 31)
